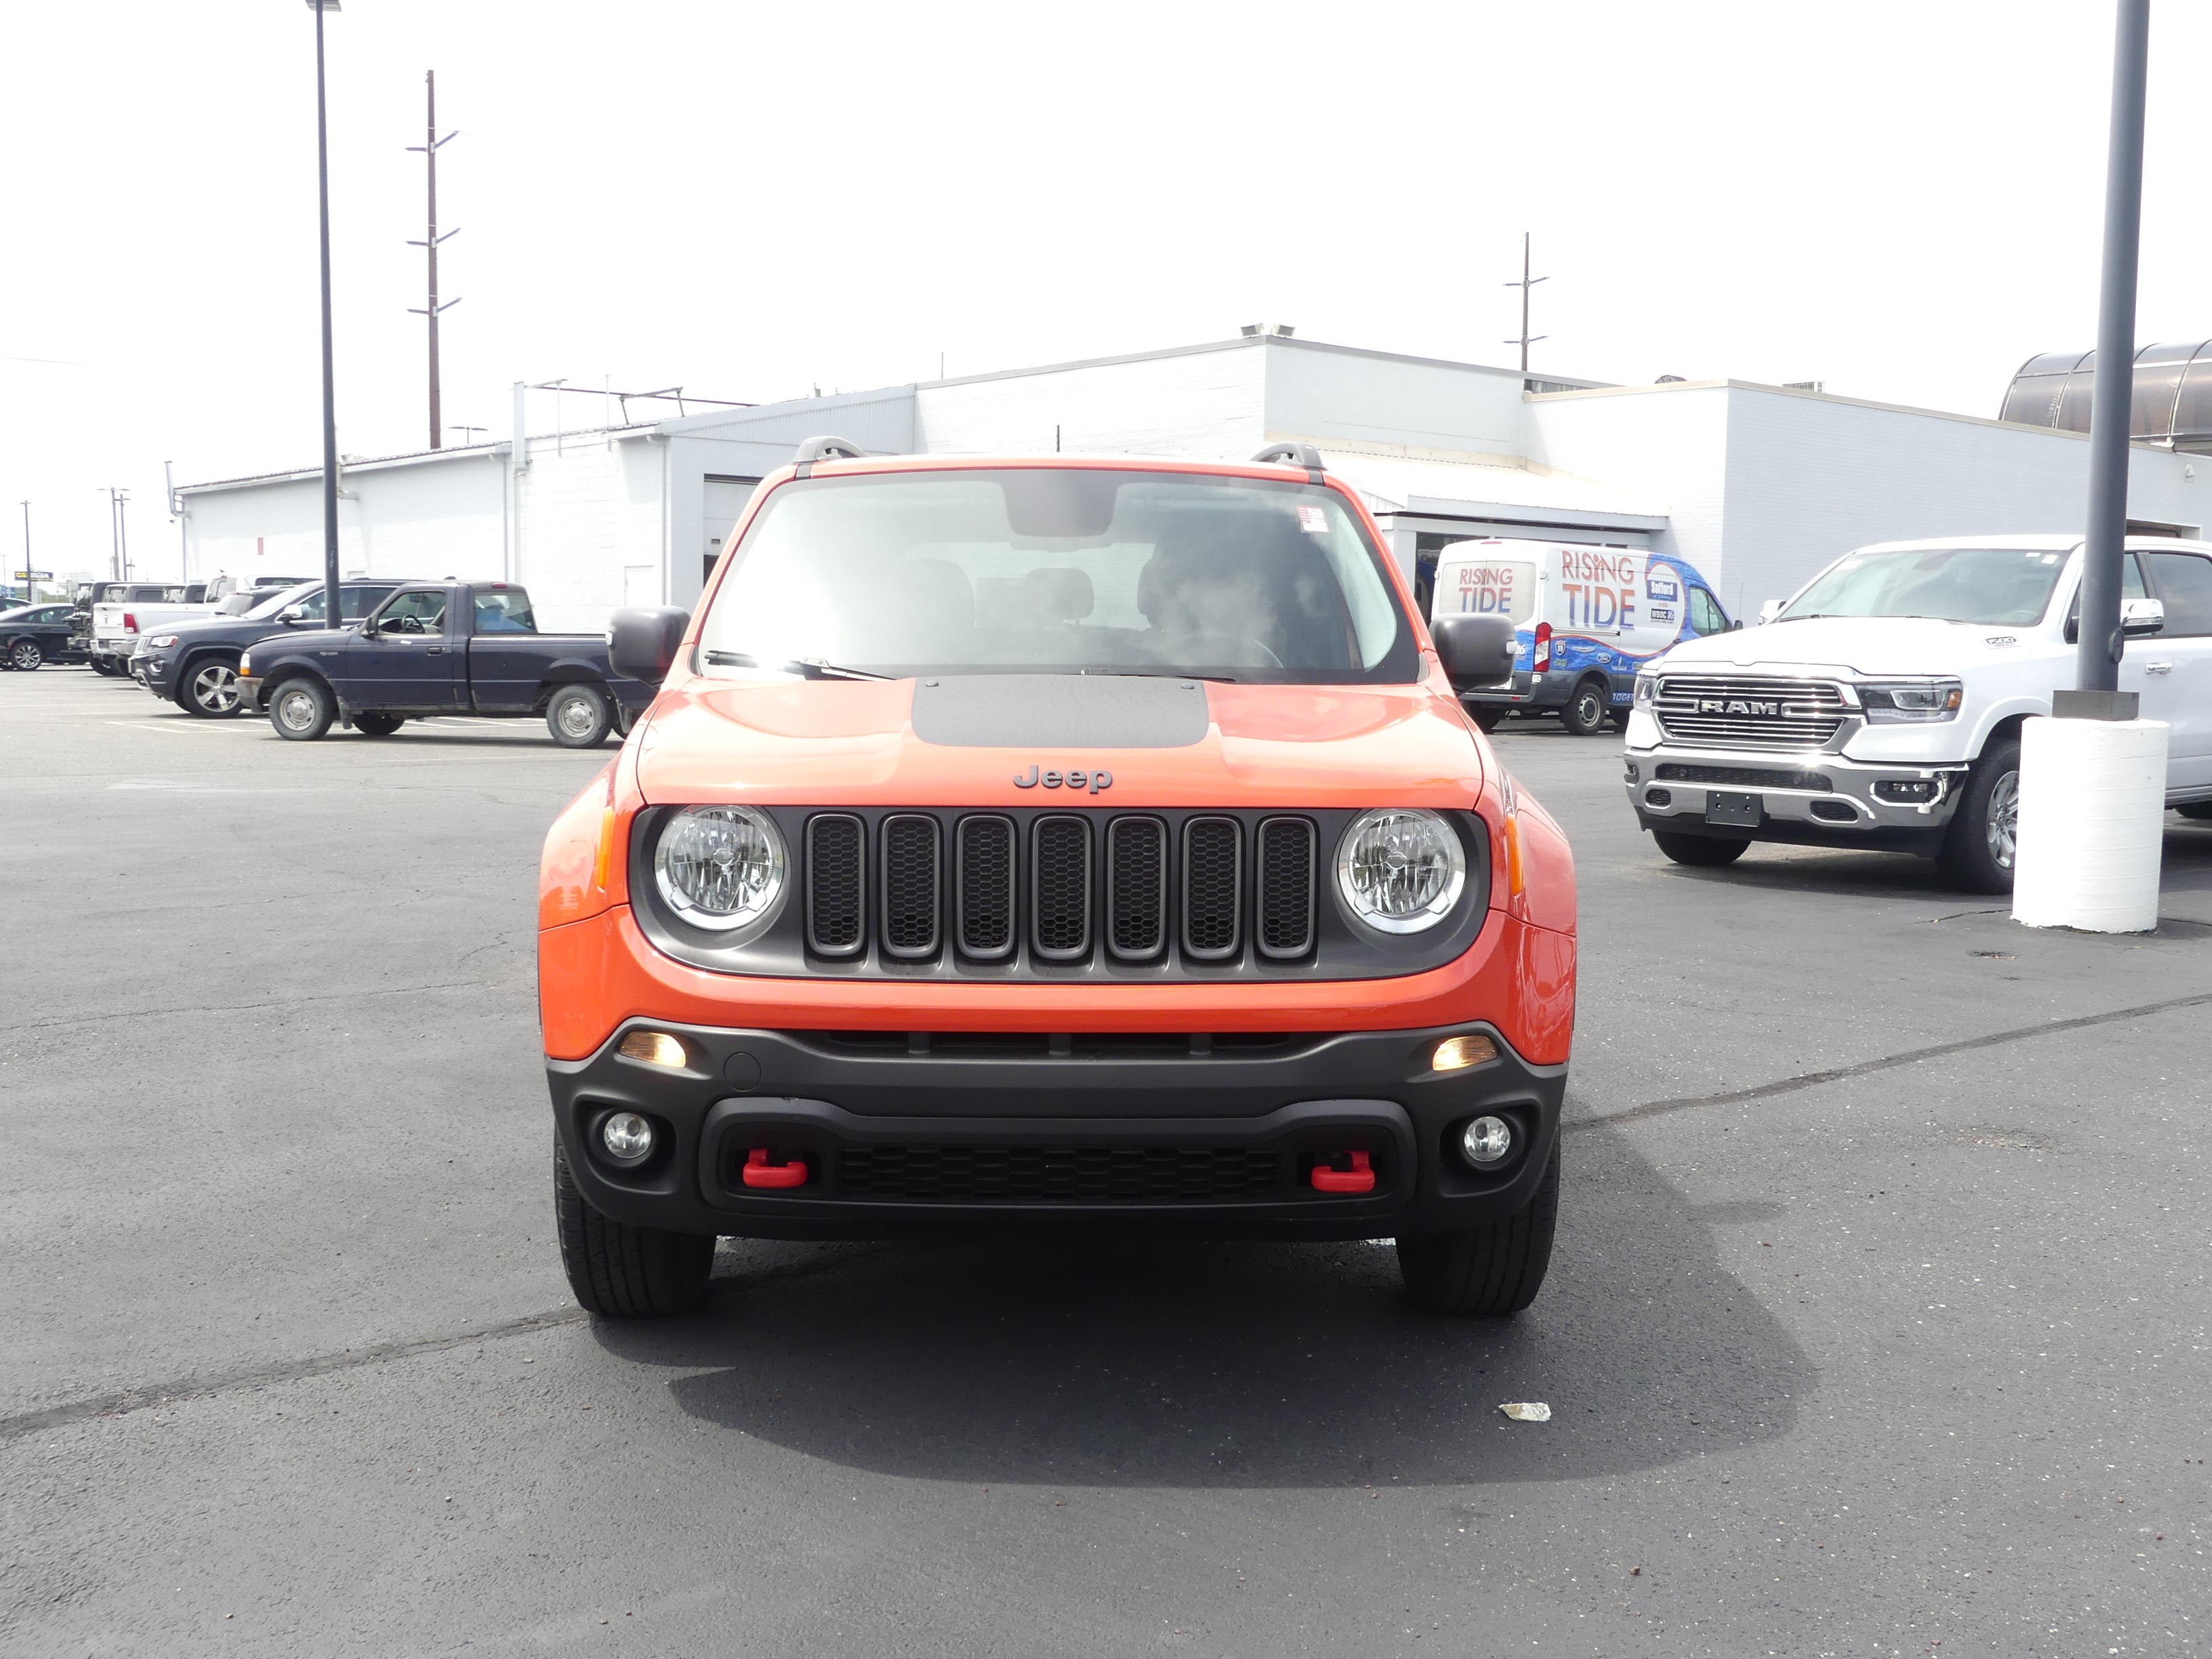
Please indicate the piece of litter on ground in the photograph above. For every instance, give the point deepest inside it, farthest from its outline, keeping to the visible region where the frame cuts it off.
(1527, 1411)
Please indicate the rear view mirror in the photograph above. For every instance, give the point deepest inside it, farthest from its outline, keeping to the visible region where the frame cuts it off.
(1770, 610)
(1476, 651)
(641, 645)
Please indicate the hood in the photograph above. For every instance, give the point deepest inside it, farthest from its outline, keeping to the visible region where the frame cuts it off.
(284, 640)
(970, 741)
(1863, 645)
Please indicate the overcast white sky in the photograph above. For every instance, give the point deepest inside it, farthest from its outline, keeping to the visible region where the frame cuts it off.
(1900, 199)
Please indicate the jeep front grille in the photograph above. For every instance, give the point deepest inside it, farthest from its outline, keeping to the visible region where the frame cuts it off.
(1062, 888)
(1712, 711)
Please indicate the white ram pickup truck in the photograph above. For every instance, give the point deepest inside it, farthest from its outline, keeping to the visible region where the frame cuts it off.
(1881, 705)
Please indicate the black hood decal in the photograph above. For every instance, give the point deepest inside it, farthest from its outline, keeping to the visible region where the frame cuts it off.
(1060, 712)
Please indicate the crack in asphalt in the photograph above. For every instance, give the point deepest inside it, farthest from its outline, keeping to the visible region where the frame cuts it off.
(125, 1401)
(242, 1007)
(1887, 1062)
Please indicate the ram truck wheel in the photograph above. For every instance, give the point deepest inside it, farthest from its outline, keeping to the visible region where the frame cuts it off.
(1704, 852)
(578, 716)
(1979, 847)
(620, 1271)
(301, 709)
(1491, 1270)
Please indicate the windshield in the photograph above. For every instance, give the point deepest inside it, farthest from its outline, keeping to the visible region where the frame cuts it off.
(1059, 570)
(1982, 585)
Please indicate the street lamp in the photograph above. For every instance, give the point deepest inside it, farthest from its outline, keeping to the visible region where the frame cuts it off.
(330, 389)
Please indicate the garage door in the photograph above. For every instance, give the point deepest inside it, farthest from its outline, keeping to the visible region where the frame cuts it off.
(725, 500)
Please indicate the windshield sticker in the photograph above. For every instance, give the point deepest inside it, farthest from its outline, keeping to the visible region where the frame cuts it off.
(1313, 520)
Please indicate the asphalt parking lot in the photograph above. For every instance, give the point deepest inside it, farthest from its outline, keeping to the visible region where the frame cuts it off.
(1879, 1317)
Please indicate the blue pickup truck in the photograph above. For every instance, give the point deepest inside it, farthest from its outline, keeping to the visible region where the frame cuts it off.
(440, 648)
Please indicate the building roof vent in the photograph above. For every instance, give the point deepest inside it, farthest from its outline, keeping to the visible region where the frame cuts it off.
(1280, 331)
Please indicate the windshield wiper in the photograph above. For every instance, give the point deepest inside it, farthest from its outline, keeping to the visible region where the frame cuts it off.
(809, 668)
(1160, 674)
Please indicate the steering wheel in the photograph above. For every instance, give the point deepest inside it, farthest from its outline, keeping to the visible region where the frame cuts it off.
(1206, 650)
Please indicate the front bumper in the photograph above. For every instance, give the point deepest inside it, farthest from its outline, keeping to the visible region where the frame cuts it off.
(1117, 1131)
(1815, 798)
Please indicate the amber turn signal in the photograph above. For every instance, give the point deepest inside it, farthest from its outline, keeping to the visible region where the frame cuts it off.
(653, 1047)
(1457, 1053)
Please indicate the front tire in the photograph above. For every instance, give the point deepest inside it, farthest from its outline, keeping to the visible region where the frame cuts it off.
(1983, 841)
(1490, 1271)
(25, 655)
(1584, 713)
(1486, 718)
(1701, 852)
(620, 1271)
(578, 716)
(300, 709)
(209, 688)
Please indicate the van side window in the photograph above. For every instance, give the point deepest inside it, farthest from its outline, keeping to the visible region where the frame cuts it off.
(1705, 614)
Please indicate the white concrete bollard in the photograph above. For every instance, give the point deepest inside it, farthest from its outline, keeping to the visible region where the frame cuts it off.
(2092, 824)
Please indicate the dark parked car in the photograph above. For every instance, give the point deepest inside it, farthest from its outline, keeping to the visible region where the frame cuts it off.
(195, 665)
(441, 648)
(33, 634)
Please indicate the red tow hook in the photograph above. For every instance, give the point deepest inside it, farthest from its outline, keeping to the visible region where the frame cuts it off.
(759, 1172)
(1357, 1174)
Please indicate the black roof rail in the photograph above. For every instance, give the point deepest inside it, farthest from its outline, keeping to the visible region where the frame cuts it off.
(1304, 455)
(826, 449)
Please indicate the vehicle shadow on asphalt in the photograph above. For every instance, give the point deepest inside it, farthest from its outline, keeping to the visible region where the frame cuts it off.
(1217, 1364)
(2186, 868)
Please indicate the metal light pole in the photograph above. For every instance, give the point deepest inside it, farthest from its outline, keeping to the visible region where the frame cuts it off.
(2098, 661)
(330, 389)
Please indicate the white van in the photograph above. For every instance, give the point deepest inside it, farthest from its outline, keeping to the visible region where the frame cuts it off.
(1589, 617)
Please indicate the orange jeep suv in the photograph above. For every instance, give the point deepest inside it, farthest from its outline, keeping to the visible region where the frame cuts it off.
(1056, 843)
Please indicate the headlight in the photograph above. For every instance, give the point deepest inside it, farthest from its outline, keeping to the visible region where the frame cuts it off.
(160, 641)
(1647, 689)
(1401, 869)
(1903, 701)
(720, 866)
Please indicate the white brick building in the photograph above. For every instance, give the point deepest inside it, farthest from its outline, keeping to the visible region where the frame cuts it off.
(1757, 486)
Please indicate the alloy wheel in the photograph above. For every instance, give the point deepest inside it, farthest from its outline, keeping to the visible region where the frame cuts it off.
(215, 689)
(2004, 820)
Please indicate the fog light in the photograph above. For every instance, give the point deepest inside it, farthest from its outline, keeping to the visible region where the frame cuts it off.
(1457, 1053)
(628, 1137)
(1658, 797)
(653, 1047)
(1486, 1142)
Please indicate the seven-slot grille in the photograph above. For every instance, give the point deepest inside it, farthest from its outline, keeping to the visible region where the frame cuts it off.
(1714, 711)
(1065, 884)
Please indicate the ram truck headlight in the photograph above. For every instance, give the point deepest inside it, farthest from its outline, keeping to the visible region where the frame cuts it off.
(1401, 869)
(1894, 702)
(720, 867)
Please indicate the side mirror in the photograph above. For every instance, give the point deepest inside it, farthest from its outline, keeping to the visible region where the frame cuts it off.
(1736, 625)
(1770, 610)
(292, 613)
(2142, 617)
(1476, 651)
(641, 645)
